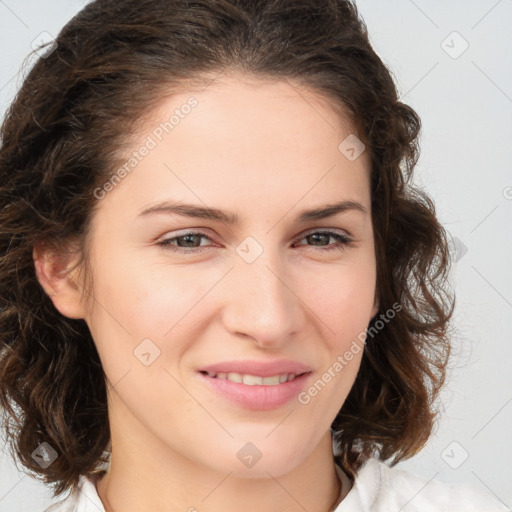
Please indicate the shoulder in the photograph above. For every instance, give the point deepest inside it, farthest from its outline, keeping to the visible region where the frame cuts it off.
(379, 488)
(84, 499)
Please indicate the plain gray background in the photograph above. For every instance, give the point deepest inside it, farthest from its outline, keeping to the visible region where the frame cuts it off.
(464, 98)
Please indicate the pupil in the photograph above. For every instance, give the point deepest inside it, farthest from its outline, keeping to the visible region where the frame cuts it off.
(317, 235)
(187, 239)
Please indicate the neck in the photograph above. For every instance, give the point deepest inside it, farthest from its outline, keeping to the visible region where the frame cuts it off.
(147, 472)
(139, 485)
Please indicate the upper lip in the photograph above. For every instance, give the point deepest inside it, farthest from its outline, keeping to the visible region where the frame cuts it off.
(258, 368)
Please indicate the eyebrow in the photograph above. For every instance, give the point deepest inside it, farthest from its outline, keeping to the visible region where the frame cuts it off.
(214, 214)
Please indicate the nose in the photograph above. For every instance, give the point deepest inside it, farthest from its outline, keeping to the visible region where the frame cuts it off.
(262, 304)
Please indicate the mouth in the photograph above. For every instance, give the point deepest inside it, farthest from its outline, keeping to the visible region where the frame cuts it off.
(255, 392)
(254, 380)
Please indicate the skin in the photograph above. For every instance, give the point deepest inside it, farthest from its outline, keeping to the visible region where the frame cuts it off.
(265, 151)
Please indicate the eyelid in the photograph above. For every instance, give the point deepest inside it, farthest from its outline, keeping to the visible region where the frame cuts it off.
(339, 231)
(343, 240)
(184, 232)
(206, 232)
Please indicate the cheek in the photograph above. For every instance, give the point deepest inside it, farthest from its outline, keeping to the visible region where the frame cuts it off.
(144, 298)
(342, 302)
(137, 301)
(343, 298)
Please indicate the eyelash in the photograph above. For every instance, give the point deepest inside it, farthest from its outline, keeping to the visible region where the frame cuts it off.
(342, 241)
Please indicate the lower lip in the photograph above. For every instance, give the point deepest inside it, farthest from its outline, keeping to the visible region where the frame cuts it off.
(257, 397)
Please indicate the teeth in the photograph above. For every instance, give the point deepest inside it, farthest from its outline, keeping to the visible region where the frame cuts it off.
(250, 380)
(254, 380)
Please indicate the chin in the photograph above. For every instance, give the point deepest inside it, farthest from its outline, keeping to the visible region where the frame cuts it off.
(258, 459)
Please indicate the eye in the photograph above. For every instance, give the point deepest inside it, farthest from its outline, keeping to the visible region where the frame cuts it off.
(187, 243)
(342, 240)
(183, 242)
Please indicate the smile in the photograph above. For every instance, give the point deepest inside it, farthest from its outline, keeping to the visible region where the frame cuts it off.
(253, 380)
(254, 391)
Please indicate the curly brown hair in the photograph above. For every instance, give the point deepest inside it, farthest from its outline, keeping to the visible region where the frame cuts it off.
(62, 137)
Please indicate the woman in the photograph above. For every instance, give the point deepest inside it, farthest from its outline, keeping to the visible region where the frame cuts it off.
(214, 268)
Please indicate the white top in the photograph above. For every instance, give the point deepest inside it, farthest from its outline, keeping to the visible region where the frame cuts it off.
(377, 488)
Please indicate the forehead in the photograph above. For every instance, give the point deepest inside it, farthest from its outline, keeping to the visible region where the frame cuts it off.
(240, 111)
(270, 141)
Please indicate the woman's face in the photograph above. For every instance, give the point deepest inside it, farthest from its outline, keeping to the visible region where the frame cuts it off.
(275, 286)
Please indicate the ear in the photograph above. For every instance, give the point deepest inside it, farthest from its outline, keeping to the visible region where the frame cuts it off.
(56, 273)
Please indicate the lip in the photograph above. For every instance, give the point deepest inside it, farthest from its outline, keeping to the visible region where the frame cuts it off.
(257, 397)
(259, 368)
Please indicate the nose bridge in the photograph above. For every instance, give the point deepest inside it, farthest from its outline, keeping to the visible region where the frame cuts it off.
(262, 304)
